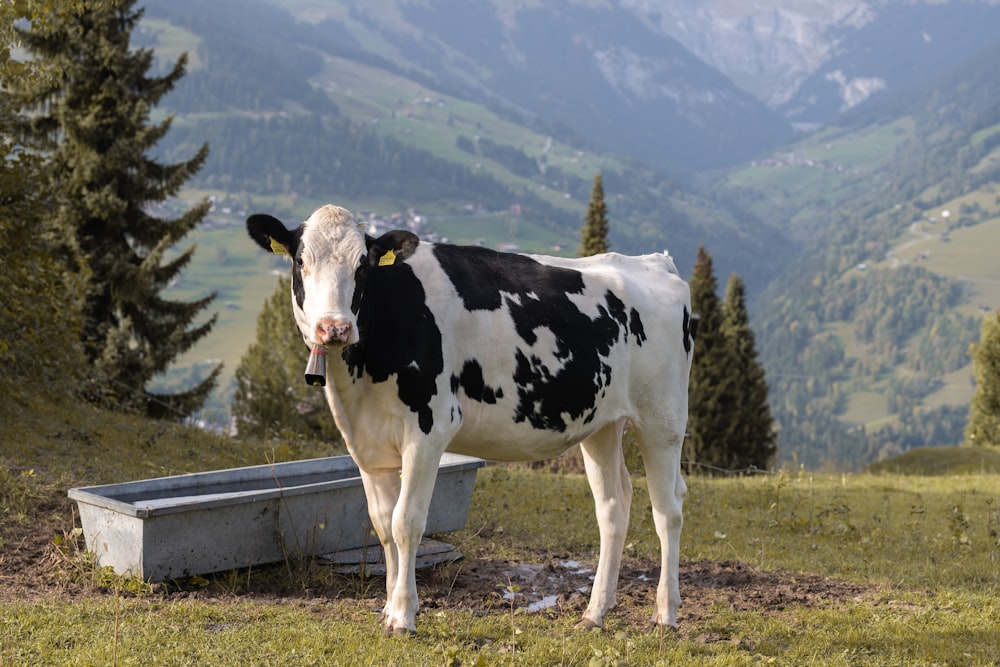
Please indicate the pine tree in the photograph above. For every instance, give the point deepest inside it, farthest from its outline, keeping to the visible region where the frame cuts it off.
(594, 233)
(95, 120)
(984, 410)
(711, 395)
(272, 398)
(33, 282)
(751, 434)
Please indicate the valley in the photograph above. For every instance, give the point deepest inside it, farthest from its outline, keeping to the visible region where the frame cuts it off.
(849, 217)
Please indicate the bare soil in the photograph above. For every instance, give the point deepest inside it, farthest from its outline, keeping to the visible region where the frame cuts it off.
(40, 559)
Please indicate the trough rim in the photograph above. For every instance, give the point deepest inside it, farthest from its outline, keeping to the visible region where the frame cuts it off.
(107, 496)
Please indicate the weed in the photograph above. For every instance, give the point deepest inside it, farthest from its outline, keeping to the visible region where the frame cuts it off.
(79, 566)
(18, 490)
(959, 524)
(614, 655)
(510, 591)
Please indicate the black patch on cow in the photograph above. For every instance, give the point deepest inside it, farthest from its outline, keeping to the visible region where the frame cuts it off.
(398, 336)
(690, 329)
(481, 276)
(635, 327)
(538, 296)
(475, 387)
(298, 287)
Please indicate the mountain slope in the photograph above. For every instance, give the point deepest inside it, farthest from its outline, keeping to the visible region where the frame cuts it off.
(604, 73)
(899, 47)
(346, 126)
(865, 338)
(682, 85)
(292, 124)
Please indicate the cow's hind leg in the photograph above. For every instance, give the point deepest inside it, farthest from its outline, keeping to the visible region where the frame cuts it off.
(661, 454)
(609, 482)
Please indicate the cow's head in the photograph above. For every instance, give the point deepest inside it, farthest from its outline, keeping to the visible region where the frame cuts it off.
(331, 258)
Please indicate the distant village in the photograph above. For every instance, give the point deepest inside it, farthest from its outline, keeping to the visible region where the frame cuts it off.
(227, 211)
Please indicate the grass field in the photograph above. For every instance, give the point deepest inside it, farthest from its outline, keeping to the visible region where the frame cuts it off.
(796, 185)
(790, 569)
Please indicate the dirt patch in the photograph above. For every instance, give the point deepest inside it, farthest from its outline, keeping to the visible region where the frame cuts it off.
(34, 565)
(559, 583)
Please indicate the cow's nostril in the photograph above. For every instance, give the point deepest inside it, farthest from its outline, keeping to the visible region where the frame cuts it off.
(332, 331)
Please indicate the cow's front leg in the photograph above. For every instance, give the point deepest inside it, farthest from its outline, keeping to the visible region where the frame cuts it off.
(612, 489)
(382, 493)
(409, 519)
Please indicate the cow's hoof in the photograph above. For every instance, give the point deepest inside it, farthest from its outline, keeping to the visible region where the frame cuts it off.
(398, 632)
(588, 624)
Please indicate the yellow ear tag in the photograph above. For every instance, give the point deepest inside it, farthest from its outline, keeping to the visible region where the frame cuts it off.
(277, 248)
(388, 259)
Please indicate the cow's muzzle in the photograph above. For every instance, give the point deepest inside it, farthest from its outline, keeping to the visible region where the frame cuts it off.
(333, 332)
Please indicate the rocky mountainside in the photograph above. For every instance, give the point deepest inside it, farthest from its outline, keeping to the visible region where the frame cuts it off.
(813, 59)
(601, 71)
(685, 85)
(768, 48)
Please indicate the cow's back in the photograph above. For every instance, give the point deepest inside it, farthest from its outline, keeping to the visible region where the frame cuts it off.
(540, 351)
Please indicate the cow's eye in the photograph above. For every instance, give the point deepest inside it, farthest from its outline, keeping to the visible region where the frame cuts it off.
(298, 261)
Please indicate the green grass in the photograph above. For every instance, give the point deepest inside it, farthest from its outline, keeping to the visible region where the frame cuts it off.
(942, 461)
(862, 149)
(922, 544)
(865, 407)
(924, 548)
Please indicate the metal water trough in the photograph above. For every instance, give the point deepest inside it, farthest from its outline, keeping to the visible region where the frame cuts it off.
(179, 526)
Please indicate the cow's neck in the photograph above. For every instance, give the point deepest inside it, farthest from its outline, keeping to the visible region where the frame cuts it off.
(343, 390)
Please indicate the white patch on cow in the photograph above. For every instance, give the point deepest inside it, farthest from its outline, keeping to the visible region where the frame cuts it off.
(512, 298)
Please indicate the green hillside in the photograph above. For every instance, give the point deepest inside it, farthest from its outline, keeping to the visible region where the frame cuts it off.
(794, 188)
(866, 337)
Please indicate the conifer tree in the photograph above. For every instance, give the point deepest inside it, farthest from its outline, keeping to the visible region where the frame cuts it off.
(711, 395)
(33, 282)
(751, 435)
(594, 233)
(94, 119)
(984, 410)
(272, 398)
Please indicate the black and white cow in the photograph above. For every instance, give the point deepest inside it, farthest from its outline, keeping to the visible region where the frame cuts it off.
(508, 357)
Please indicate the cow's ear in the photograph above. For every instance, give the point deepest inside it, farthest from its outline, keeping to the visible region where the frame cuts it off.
(271, 234)
(395, 246)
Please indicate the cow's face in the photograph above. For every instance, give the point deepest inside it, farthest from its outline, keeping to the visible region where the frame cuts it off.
(330, 257)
